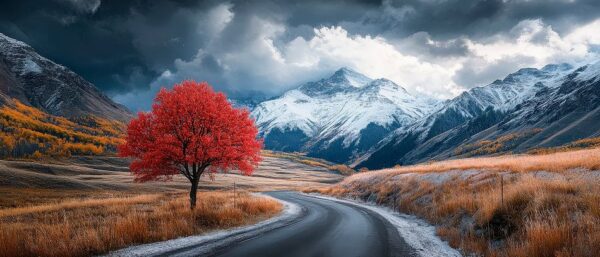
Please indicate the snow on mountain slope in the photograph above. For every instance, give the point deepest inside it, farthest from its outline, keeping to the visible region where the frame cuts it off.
(501, 95)
(555, 116)
(338, 109)
(562, 114)
(590, 73)
(421, 139)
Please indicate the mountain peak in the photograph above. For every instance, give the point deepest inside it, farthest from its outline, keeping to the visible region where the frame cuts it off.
(350, 77)
(529, 74)
(345, 70)
(342, 80)
(11, 41)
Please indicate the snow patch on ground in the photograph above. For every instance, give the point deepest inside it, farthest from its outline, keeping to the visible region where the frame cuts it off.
(591, 72)
(203, 244)
(416, 232)
(30, 66)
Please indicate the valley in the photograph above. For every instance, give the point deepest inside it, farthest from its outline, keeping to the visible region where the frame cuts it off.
(92, 205)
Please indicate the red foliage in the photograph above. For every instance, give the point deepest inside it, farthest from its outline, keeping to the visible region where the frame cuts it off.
(191, 129)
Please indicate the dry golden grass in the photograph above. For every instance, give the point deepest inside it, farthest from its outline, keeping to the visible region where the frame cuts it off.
(310, 161)
(342, 169)
(76, 203)
(501, 144)
(575, 145)
(533, 214)
(13, 197)
(109, 176)
(90, 205)
(554, 162)
(94, 226)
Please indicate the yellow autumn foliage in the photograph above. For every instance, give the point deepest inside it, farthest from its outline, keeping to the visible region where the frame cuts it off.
(28, 132)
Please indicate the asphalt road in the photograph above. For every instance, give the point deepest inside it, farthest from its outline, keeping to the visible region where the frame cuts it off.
(325, 228)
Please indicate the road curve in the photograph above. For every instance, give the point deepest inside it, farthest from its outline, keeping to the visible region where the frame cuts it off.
(325, 228)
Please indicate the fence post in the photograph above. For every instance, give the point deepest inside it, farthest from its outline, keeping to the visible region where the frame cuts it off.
(234, 196)
(502, 190)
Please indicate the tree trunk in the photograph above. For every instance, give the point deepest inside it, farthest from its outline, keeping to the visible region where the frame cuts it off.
(193, 193)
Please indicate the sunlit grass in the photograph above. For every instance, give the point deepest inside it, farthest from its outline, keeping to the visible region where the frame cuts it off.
(554, 162)
(93, 226)
(555, 213)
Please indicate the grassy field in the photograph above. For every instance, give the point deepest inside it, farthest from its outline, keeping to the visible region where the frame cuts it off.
(90, 205)
(112, 174)
(315, 162)
(521, 205)
(82, 227)
(554, 162)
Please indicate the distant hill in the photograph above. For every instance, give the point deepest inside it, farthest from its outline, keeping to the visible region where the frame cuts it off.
(48, 110)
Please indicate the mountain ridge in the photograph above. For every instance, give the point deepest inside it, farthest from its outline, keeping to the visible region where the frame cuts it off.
(51, 87)
(337, 117)
(376, 123)
(549, 100)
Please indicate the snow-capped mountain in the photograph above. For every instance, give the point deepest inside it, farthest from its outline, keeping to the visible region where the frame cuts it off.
(339, 117)
(39, 82)
(562, 114)
(512, 106)
(501, 95)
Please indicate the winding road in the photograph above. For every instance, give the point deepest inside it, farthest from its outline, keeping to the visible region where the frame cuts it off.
(324, 228)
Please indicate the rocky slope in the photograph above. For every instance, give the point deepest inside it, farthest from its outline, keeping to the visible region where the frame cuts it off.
(50, 87)
(528, 109)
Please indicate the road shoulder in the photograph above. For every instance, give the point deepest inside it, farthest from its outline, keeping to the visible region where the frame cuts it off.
(419, 234)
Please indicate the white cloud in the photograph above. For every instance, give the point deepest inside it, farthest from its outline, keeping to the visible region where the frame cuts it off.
(530, 43)
(251, 54)
(375, 57)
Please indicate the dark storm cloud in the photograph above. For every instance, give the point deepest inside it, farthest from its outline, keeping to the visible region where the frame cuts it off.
(475, 18)
(124, 46)
(118, 45)
(85, 42)
(421, 44)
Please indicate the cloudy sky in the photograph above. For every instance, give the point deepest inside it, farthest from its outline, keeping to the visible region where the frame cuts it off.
(130, 49)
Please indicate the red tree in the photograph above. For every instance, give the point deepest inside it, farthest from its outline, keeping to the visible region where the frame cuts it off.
(191, 130)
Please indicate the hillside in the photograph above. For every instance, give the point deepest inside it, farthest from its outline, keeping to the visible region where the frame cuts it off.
(350, 118)
(512, 205)
(52, 88)
(544, 108)
(48, 110)
(26, 131)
